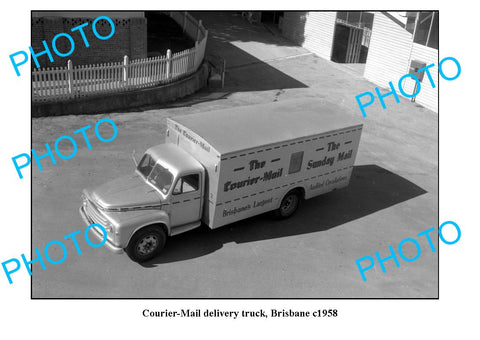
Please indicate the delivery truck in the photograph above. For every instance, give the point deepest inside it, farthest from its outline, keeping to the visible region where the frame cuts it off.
(223, 166)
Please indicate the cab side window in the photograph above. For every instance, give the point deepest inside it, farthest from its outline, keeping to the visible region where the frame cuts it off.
(189, 183)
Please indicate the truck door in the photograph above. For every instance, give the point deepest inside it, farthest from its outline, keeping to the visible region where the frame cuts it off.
(186, 200)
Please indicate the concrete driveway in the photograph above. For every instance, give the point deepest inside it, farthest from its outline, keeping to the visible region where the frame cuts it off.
(393, 194)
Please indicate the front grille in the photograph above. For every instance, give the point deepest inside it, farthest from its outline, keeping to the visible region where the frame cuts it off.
(94, 214)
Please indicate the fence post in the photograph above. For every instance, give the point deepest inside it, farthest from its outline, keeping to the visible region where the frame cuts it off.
(70, 76)
(169, 63)
(198, 29)
(195, 56)
(125, 70)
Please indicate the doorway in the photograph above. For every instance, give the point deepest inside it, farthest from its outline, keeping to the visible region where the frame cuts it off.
(347, 44)
(352, 37)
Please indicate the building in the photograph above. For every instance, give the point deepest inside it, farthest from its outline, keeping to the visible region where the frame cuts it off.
(389, 44)
(400, 41)
(338, 36)
(130, 37)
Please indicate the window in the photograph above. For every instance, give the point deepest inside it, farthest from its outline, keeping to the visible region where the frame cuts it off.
(411, 18)
(426, 29)
(146, 165)
(295, 162)
(161, 178)
(367, 19)
(357, 19)
(433, 38)
(189, 183)
(156, 174)
(354, 18)
(342, 16)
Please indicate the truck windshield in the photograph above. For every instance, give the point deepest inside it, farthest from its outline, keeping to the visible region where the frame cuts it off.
(155, 173)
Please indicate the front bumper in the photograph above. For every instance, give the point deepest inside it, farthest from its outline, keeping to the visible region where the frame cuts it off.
(98, 234)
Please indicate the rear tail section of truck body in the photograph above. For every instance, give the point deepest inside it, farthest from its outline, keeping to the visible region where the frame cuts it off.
(254, 155)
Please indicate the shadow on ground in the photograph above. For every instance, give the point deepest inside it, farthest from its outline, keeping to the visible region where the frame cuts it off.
(244, 71)
(371, 189)
(225, 26)
(252, 74)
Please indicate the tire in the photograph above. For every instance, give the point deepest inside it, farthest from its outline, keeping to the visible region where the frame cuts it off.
(289, 205)
(146, 244)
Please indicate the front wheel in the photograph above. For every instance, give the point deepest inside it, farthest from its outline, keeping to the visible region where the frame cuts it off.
(146, 244)
(289, 204)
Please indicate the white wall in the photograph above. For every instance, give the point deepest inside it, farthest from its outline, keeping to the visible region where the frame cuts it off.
(428, 95)
(389, 56)
(311, 30)
(389, 52)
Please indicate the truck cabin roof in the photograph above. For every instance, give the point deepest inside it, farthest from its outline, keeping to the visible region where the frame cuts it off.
(251, 126)
(175, 159)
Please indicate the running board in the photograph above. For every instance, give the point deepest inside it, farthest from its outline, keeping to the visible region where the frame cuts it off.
(184, 228)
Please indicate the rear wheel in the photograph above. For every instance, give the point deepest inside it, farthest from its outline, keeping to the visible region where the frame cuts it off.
(146, 244)
(289, 204)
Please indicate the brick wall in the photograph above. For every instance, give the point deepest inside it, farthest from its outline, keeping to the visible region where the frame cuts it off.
(130, 39)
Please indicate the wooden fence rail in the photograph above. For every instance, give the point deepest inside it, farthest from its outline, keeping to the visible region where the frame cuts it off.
(63, 83)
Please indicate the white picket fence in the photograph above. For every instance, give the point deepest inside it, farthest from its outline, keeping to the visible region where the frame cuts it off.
(63, 83)
(191, 27)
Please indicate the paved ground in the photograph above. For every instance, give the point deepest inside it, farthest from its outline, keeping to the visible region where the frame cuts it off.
(393, 194)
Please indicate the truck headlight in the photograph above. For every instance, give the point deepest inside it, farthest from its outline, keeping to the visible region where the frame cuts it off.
(108, 227)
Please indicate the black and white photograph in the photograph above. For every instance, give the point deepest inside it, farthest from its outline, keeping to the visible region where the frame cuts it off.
(224, 157)
(238, 170)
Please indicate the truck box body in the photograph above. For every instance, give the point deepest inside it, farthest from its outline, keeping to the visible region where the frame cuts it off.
(254, 155)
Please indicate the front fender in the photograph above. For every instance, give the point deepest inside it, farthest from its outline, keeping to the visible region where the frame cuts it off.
(128, 222)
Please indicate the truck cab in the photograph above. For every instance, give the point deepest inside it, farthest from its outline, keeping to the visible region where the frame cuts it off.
(163, 197)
